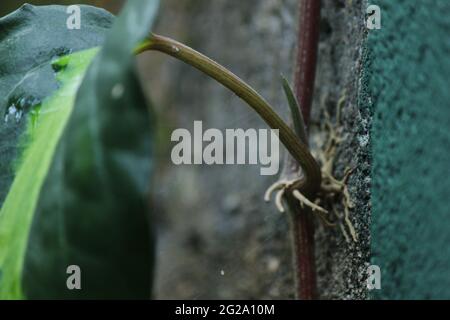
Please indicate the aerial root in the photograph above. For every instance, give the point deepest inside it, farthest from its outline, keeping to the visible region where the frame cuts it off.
(304, 201)
(334, 192)
(330, 188)
(281, 187)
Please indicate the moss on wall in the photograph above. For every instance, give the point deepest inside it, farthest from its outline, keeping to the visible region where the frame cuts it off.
(408, 71)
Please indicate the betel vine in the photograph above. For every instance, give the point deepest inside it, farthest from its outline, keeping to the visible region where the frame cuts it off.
(304, 183)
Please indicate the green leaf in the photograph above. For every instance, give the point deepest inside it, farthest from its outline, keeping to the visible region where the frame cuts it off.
(90, 208)
(45, 124)
(30, 39)
(299, 123)
(33, 114)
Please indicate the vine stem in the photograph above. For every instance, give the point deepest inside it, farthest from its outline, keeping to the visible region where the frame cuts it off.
(297, 149)
(302, 224)
(307, 44)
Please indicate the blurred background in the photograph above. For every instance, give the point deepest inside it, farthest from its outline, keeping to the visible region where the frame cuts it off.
(216, 236)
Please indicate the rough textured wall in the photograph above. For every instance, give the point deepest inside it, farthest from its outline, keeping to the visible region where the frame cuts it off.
(342, 265)
(217, 238)
(409, 72)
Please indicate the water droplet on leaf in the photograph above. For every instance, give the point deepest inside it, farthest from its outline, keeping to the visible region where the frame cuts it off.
(18, 106)
(22, 103)
(11, 113)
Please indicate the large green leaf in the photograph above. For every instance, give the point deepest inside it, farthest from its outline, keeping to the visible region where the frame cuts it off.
(44, 126)
(33, 114)
(30, 39)
(82, 178)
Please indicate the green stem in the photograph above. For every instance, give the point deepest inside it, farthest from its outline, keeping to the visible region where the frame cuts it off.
(298, 150)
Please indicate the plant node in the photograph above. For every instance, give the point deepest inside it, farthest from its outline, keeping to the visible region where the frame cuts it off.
(333, 192)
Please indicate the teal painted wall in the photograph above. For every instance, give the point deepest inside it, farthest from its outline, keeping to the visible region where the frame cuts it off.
(407, 81)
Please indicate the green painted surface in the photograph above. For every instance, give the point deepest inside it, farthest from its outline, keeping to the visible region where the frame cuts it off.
(407, 74)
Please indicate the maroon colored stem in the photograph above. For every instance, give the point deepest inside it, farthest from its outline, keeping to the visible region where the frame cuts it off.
(305, 71)
(308, 40)
(302, 230)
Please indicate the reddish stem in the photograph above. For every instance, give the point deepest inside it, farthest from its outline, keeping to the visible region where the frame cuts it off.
(302, 230)
(301, 220)
(307, 43)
